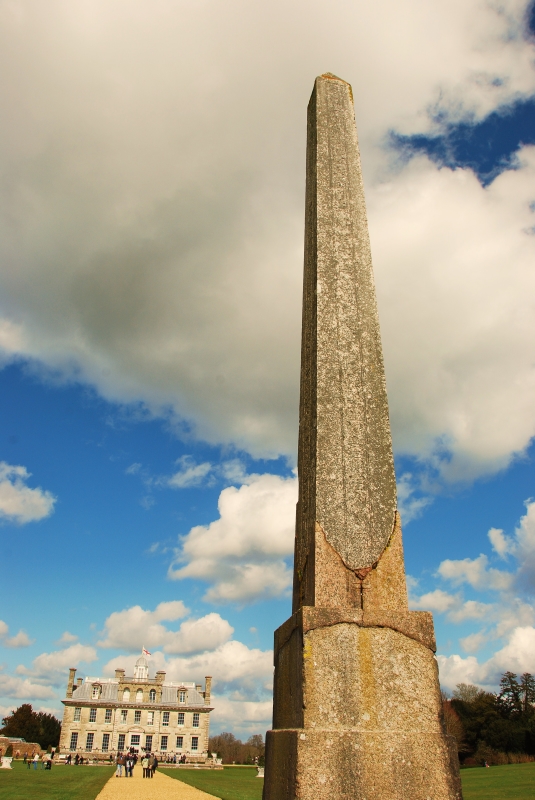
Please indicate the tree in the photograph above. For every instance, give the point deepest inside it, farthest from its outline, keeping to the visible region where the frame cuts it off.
(527, 693)
(509, 698)
(466, 692)
(33, 726)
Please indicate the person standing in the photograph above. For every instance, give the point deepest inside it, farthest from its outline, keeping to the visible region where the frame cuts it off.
(35, 760)
(120, 763)
(153, 766)
(145, 765)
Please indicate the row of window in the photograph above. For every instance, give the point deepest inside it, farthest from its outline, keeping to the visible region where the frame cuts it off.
(97, 691)
(135, 741)
(166, 717)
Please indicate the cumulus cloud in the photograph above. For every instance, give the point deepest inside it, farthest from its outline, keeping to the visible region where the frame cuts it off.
(189, 474)
(51, 668)
(23, 688)
(19, 503)
(20, 639)
(518, 655)
(67, 638)
(152, 211)
(462, 394)
(242, 554)
(475, 572)
(134, 627)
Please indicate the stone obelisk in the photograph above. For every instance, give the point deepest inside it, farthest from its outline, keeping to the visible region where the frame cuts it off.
(357, 707)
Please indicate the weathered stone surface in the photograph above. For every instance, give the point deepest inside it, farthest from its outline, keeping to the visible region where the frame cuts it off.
(346, 470)
(367, 722)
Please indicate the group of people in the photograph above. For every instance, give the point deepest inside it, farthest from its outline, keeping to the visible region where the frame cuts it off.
(46, 760)
(149, 762)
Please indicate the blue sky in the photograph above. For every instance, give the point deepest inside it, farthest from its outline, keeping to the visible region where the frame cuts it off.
(150, 273)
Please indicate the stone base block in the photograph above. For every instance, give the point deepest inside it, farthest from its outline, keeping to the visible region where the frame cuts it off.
(326, 764)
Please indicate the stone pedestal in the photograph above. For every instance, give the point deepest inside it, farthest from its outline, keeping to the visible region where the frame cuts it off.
(357, 714)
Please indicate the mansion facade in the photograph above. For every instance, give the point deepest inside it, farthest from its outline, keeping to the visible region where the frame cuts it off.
(104, 716)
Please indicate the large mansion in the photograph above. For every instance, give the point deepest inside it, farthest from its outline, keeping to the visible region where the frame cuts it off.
(107, 715)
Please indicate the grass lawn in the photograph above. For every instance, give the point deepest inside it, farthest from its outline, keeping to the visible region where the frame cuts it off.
(60, 783)
(510, 782)
(231, 783)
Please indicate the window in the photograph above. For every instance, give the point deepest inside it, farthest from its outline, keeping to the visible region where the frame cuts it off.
(179, 742)
(105, 742)
(95, 694)
(182, 697)
(180, 717)
(137, 717)
(120, 742)
(89, 742)
(126, 695)
(194, 743)
(107, 716)
(77, 714)
(150, 717)
(92, 715)
(74, 741)
(124, 714)
(135, 739)
(163, 743)
(165, 718)
(152, 696)
(148, 742)
(196, 718)
(139, 696)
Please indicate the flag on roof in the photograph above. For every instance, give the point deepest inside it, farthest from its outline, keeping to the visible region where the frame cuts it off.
(145, 652)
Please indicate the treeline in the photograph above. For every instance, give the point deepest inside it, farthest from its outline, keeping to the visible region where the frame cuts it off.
(494, 728)
(234, 751)
(32, 726)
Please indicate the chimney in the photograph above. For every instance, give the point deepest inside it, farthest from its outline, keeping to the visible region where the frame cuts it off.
(79, 682)
(70, 682)
(160, 676)
(208, 682)
(198, 686)
(119, 674)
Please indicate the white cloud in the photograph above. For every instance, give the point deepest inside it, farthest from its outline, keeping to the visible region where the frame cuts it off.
(242, 553)
(52, 668)
(134, 627)
(242, 717)
(456, 608)
(501, 544)
(23, 688)
(476, 573)
(21, 639)
(190, 474)
(152, 237)
(518, 656)
(3, 628)
(67, 638)
(19, 503)
(466, 388)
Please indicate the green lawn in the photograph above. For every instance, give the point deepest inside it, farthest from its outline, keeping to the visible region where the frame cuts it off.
(231, 783)
(510, 782)
(60, 783)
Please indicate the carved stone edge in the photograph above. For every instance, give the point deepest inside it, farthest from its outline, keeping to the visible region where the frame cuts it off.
(417, 625)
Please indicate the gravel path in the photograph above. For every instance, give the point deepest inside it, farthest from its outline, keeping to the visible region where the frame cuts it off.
(161, 787)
